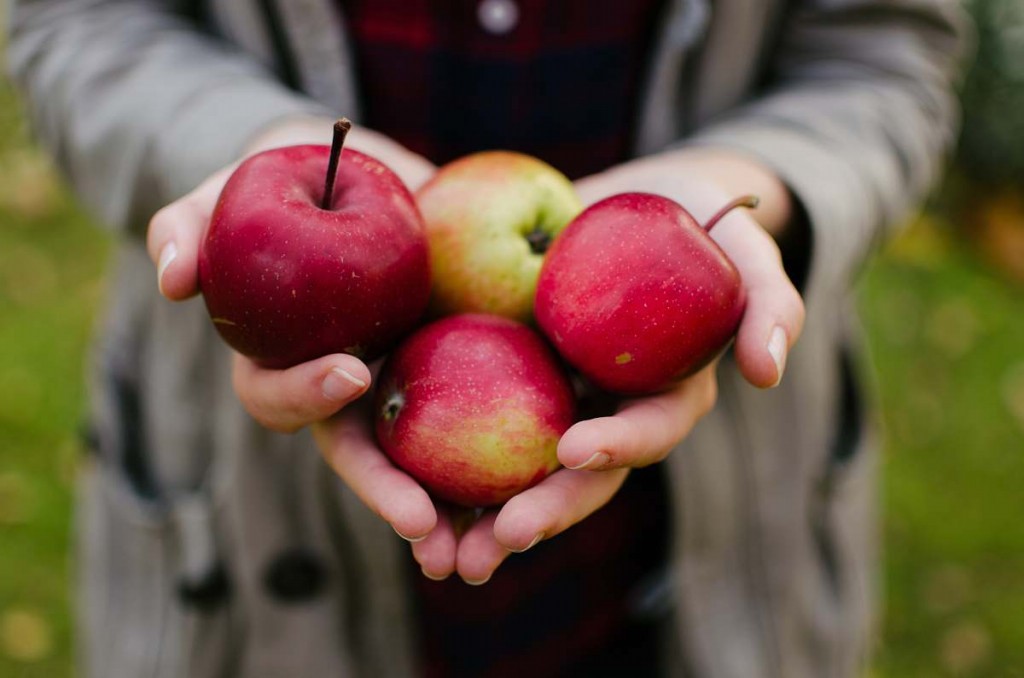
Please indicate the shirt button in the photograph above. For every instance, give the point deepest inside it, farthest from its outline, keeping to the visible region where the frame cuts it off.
(295, 576)
(498, 17)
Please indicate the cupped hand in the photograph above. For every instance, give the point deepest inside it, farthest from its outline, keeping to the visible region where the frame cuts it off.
(450, 540)
(703, 181)
(645, 430)
(316, 392)
(599, 452)
(281, 400)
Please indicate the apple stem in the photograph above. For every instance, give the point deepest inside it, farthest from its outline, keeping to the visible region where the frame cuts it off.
(341, 128)
(748, 201)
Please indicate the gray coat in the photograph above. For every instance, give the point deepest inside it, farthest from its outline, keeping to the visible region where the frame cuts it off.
(193, 519)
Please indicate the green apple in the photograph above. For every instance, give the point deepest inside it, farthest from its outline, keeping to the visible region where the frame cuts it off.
(490, 219)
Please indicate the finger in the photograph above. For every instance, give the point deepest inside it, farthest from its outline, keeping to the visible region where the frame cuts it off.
(286, 400)
(774, 315)
(555, 504)
(479, 554)
(436, 553)
(643, 431)
(772, 323)
(174, 236)
(348, 446)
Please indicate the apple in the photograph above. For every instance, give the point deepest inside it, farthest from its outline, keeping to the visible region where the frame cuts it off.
(472, 406)
(293, 267)
(636, 295)
(490, 218)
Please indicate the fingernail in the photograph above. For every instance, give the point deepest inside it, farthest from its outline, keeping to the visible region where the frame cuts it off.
(339, 385)
(540, 535)
(167, 255)
(433, 577)
(597, 460)
(411, 540)
(477, 582)
(777, 349)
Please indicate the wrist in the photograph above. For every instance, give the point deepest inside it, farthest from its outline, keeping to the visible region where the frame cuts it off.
(701, 180)
(738, 174)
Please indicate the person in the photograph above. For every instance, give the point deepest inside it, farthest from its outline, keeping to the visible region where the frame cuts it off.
(214, 541)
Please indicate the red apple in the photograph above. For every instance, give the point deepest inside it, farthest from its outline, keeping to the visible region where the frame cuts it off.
(490, 217)
(293, 268)
(472, 406)
(636, 295)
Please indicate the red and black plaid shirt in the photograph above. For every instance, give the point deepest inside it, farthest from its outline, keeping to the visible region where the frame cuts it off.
(561, 84)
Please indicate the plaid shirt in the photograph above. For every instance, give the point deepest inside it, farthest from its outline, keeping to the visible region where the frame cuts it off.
(581, 604)
(559, 82)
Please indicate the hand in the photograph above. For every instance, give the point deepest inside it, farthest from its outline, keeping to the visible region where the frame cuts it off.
(317, 391)
(282, 400)
(447, 540)
(703, 181)
(644, 430)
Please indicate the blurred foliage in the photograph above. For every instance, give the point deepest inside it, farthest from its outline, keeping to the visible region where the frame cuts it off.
(991, 148)
(943, 309)
(946, 339)
(51, 263)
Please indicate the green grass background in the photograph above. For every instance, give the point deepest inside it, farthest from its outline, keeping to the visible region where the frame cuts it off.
(946, 338)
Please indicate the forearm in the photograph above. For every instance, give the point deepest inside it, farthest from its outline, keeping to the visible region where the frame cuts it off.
(853, 116)
(137, 104)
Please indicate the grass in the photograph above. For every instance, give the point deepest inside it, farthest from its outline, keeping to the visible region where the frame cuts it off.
(947, 340)
(51, 262)
(946, 336)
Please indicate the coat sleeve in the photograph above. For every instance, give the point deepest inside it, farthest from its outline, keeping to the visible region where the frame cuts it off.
(135, 102)
(856, 116)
